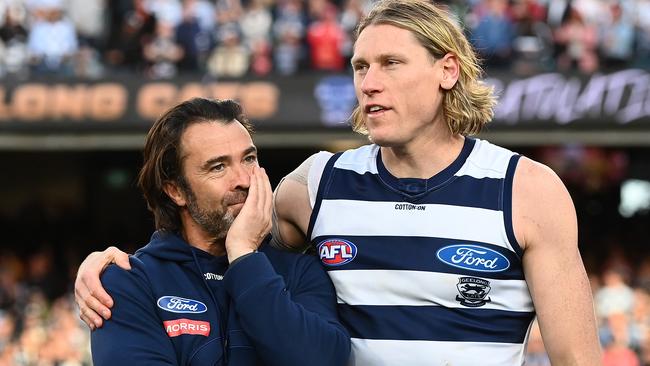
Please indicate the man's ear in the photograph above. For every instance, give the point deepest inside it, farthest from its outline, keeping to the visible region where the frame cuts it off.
(174, 192)
(450, 71)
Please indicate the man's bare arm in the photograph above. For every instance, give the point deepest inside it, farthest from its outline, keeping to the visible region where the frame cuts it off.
(546, 226)
(292, 205)
(291, 214)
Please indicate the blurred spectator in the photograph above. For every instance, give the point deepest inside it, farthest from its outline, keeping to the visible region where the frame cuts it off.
(256, 24)
(88, 17)
(641, 317)
(8, 331)
(642, 23)
(493, 33)
(261, 63)
(288, 53)
(169, 12)
(52, 40)
(14, 56)
(230, 58)
(39, 274)
(533, 42)
(135, 26)
(617, 35)
(228, 13)
(87, 63)
(615, 296)
(618, 341)
(618, 330)
(289, 30)
(576, 41)
(11, 270)
(67, 341)
(326, 38)
(556, 12)
(162, 53)
(353, 11)
(643, 275)
(194, 40)
(592, 11)
(316, 8)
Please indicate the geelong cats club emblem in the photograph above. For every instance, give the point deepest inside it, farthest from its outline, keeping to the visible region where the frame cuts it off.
(473, 291)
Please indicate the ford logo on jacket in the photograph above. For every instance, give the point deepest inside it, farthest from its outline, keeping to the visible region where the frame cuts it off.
(177, 304)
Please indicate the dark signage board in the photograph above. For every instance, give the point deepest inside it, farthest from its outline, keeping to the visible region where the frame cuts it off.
(551, 101)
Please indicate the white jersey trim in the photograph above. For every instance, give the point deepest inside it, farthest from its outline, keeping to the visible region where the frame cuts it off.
(315, 173)
(486, 161)
(362, 160)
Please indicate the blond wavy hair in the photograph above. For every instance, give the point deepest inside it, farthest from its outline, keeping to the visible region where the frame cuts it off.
(469, 105)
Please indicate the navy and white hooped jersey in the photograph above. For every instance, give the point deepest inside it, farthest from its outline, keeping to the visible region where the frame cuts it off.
(427, 271)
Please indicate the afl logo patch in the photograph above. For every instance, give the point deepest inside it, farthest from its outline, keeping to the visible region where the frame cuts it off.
(473, 258)
(336, 252)
(177, 304)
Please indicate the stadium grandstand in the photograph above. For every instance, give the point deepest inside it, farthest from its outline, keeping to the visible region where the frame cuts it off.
(82, 80)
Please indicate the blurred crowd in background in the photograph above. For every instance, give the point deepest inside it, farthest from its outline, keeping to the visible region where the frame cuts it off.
(235, 38)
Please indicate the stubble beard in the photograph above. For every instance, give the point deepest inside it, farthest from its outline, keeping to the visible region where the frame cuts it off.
(215, 222)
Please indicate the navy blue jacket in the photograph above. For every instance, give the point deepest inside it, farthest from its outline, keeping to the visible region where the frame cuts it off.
(179, 305)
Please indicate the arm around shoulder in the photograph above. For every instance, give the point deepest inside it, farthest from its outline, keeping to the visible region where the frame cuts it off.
(134, 335)
(545, 225)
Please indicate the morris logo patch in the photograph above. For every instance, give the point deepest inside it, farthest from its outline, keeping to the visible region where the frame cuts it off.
(336, 252)
(473, 291)
(177, 304)
(473, 257)
(177, 327)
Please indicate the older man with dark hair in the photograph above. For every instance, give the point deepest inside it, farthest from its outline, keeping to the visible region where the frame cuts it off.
(200, 292)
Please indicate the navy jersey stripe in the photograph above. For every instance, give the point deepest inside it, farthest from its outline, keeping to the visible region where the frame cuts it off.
(420, 254)
(435, 323)
(465, 191)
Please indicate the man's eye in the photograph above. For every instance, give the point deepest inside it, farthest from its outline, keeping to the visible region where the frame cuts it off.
(360, 67)
(218, 168)
(250, 159)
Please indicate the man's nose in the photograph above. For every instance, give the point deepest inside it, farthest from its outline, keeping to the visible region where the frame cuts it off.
(241, 176)
(371, 82)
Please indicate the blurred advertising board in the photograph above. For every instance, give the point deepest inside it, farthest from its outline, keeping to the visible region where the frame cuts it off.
(603, 102)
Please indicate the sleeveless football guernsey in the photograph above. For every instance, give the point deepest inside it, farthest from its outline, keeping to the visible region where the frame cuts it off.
(427, 271)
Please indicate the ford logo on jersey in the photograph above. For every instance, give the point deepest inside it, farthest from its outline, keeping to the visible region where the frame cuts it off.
(473, 257)
(177, 304)
(336, 252)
